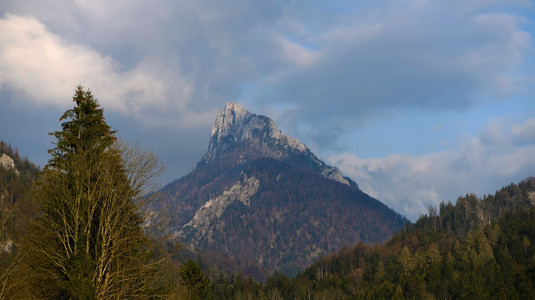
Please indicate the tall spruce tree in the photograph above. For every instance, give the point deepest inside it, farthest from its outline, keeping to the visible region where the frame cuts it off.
(89, 242)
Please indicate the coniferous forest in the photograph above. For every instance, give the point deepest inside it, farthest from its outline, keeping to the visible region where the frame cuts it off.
(79, 229)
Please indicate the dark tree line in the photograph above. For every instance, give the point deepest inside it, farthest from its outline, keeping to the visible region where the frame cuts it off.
(15, 207)
(474, 249)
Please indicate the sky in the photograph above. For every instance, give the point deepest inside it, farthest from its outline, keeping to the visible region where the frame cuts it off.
(418, 101)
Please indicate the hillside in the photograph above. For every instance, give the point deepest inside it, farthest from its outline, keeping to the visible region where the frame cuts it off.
(473, 249)
(17, 175)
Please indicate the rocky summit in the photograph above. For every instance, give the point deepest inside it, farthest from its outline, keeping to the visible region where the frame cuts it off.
(255, 136)
(264, 201)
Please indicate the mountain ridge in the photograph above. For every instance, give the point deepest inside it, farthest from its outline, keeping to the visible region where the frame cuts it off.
(235, 125)
(262, 196)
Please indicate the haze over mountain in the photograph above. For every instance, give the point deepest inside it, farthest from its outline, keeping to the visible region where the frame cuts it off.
(262, 197)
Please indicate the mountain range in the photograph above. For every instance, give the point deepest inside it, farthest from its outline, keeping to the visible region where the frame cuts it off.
(263, 200)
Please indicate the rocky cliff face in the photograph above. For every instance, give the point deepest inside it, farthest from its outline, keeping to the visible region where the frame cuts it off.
(262, 197)
(235, 126)
(200, 226)
(7, 162)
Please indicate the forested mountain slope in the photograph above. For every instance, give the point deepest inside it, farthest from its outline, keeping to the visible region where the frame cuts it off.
(477, 248)
(17, 174)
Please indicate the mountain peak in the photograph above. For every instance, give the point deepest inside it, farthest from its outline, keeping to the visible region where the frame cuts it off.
(229, 120)
(234, 125)
(262, 198)
(247, 136)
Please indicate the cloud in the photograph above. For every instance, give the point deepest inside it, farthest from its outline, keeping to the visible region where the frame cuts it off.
(410, 184)
(44, 69)
(525, 132)
(396, 56)
(364, 59)
(321, 70)
(186, 56)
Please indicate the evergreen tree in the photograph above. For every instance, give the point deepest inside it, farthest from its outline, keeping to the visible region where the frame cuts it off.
(196, 285)
(88, 241)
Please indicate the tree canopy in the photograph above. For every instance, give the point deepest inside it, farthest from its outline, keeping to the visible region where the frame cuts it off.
(88, 240)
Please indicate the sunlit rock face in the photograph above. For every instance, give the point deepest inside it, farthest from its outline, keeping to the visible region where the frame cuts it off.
(235, 126)
(201, 226)
(7, 162)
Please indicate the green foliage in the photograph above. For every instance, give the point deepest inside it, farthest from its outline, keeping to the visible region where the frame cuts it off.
(15, 185)
(475, 249)
(87, 241)
(196, 284)
(85, 132)
(16, 210)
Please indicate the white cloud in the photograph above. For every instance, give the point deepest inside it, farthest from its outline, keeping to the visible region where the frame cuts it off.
(410, 184)
(44, 69)
(37, 64)
(296, 53)
(525, 132)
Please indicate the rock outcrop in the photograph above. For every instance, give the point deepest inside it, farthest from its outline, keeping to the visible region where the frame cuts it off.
(234, 125)
(7, 162)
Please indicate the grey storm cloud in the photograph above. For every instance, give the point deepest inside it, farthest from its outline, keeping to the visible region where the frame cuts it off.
(421, 55)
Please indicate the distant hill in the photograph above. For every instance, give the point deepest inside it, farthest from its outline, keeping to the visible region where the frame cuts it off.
(262, 199)
(477, 248)
(17, 175)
